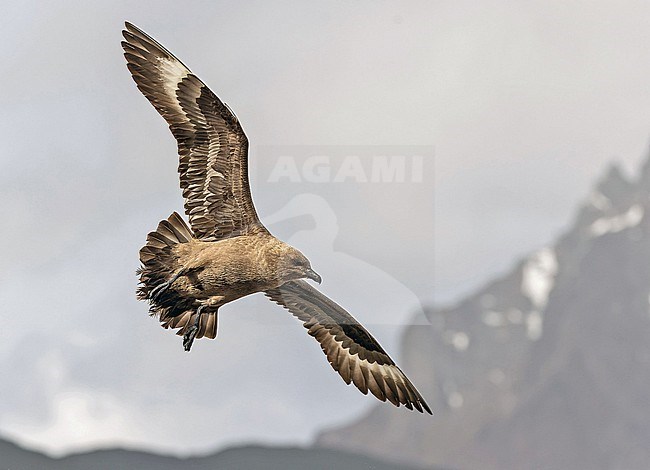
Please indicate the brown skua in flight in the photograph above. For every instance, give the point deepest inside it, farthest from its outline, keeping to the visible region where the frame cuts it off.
(188, 274)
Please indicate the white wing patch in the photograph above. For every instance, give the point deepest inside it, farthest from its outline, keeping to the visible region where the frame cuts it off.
(173, 73)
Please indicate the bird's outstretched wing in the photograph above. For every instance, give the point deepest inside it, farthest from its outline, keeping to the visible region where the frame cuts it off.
(349, 348)
(212, 146)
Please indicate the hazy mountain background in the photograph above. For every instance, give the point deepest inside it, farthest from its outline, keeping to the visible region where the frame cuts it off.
(547, 366)
(516, 107)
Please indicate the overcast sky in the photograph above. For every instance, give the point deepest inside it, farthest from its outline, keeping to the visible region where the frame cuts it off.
(507, 110)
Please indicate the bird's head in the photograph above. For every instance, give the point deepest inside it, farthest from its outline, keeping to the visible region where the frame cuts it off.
(294, 265)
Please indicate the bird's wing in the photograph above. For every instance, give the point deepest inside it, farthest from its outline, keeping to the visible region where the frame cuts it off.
(349, 348)
(212, 146)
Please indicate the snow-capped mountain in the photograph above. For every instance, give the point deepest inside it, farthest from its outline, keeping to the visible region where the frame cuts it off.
(546, 367)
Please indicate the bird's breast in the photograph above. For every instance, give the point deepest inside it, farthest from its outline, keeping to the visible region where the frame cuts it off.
(233, 268)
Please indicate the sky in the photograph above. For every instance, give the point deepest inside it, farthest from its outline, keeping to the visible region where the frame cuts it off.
(412, 150)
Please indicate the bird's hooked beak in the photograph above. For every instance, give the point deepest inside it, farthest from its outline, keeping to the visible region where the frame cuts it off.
(313, 275)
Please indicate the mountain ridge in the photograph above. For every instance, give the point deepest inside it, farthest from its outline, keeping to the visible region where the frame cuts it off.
(250, 457)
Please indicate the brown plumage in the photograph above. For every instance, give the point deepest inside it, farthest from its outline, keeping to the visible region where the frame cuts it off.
(186, 274)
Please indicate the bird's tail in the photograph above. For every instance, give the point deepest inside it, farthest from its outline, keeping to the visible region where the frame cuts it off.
(158, 263)
(169, 232)
(206, 323)
(157, 270)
